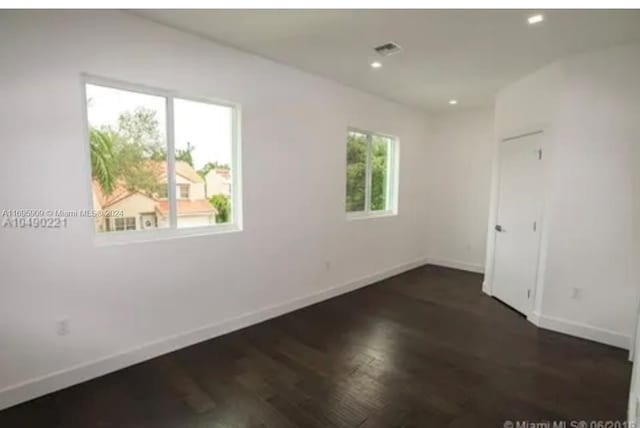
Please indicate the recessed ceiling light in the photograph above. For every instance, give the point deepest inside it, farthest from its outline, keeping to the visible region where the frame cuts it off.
(376, 64)
(452, 102)
(534, 19)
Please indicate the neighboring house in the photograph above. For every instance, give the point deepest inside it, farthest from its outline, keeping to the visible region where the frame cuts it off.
(218, 181)
(143, 211)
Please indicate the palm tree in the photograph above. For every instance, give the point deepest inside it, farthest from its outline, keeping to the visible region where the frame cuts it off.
(102, 160)
(185, 155)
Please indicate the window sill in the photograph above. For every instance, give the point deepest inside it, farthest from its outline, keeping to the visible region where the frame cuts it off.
(102, 239)
(372, 214)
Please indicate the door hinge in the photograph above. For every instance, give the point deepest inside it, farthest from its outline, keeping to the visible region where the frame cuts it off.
(529, 294)
(535, 226)
(539, 154)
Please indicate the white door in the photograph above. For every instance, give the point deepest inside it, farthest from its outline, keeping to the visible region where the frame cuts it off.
(518, 220)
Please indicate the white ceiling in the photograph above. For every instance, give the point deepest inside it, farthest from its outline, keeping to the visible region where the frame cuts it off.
(462, 54)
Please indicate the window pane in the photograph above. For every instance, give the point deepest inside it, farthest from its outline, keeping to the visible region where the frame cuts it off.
(127, 137)
(356, 171)
(379, 172)
(184, 191)
(203, 143)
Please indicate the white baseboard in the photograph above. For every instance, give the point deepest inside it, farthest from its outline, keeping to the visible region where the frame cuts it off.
(581, 330)
(534, 318)
(485, 287)
(37, 387)
(454, 264)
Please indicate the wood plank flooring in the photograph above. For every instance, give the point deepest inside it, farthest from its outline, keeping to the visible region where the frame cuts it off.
(422, 349)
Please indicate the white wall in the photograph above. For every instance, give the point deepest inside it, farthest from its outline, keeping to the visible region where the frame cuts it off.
(460, 162)
(130, 302)
(588, 107)
(634, 394)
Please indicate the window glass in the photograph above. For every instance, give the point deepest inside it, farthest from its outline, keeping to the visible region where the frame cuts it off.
(356, 171)
(128, 147)
(203, 145)
(379, 172)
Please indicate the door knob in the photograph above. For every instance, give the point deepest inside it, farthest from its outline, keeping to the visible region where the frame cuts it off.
(498, 228)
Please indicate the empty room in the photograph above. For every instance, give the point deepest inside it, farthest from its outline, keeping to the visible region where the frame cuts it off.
(325, 216)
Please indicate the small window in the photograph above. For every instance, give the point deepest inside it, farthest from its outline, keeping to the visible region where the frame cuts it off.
(126, 223)
(145, 143)
(371, 174)
(184, 191)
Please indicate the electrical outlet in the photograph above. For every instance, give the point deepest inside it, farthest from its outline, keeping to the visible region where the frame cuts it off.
(62, 327)
(327, 265)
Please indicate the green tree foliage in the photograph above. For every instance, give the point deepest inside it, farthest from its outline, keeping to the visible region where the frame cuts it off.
(222, 204)
(102, 159)
(379, 159)
(135, 169)
(356, 171)
(141, 127)
(210, 166)
(127, 154)
(357, 174)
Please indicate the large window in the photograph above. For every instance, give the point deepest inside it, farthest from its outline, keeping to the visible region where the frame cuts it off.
(159, 161)
(371, 174)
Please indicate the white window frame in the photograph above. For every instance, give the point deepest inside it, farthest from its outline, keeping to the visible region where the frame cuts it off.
(393, 157)
(145, 235)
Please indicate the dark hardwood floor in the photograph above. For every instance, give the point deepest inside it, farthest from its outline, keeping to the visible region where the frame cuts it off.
(422, 349)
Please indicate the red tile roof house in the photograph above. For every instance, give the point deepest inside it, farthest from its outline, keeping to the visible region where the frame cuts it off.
(145, 211)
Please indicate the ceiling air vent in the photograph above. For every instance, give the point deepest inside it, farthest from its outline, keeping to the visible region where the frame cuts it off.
(388, 48)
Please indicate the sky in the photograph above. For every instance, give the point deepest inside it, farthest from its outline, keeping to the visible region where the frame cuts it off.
(206, 126)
